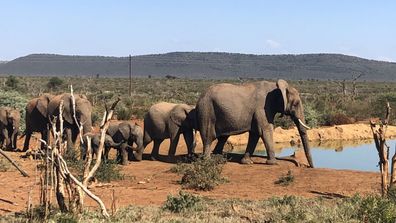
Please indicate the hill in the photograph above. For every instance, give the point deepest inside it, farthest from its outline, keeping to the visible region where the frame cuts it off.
(207, 65)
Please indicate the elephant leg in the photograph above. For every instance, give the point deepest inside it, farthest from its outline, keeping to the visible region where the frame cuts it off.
(138, 154)
(220, 144)
(189, 138)
(267, 137)
(45, 136)
(207, 136)
(251, 146)
(69, 140)
(6, 138)
(28, 135)
(174, 140)
(156, 147)
(74, 134)
(14, 139)
(106, 153)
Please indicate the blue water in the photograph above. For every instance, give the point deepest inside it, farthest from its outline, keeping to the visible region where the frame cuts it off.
(360, 157)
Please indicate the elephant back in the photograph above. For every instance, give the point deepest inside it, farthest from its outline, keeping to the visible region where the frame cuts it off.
(83, 108)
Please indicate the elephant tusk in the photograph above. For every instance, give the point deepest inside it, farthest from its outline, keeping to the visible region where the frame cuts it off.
(303, 124)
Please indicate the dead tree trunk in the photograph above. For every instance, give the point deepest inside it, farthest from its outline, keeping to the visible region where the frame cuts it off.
(383, 151)
(61, 175)
(14, 163)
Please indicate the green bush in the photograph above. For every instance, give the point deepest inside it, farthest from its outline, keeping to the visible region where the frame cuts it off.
(54, 83)
(123, 112)
(203, 173)
(376, 209)
(4, 165)
(312, 116)
(183, 202)
(12, 82)
(378, 106)
(286, 180)
(108, 171)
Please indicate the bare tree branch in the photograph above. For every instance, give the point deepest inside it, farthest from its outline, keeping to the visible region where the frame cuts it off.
(14, 163)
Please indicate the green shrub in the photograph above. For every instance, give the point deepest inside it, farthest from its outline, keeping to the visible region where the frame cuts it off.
(285, 180)
(376, 209)
(203, 173)
(54, 83)
(12, 82)
(312, 116)
(123, 112)
(378, 106)
(181, 203)
(4, 165)
(108, 171)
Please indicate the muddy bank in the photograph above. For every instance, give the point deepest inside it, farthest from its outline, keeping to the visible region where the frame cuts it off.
(340, 132)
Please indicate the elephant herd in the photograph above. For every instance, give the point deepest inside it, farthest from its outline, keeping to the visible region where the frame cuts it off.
(222, 110)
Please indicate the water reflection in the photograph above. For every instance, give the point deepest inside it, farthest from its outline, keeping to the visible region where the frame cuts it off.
(353, 155)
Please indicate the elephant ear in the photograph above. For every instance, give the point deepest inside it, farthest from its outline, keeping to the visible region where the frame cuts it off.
(3, 116)
(42, 106)
(178, 115)
(282, 85)
(67, 109)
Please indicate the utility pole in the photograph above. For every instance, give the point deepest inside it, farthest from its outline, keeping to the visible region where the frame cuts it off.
(130, 75)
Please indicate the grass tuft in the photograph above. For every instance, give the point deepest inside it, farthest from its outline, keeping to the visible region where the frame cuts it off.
(285, 180)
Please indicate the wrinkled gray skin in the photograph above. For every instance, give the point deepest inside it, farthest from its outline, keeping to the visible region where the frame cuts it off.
(9, 127)
(167, 121)
(226, 109)
(95, 142)
(127, 133)
(83, 115)
(36, 119)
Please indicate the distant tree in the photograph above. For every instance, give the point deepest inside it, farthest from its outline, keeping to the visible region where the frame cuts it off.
(171, 77)
(12, 82)
(54, 83)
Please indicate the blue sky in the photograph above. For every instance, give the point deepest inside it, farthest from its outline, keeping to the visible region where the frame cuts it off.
(118, 28)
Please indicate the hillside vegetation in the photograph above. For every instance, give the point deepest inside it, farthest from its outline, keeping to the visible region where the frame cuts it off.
(207, 65)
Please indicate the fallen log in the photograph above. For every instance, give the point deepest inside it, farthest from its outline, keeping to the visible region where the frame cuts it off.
(14, 163)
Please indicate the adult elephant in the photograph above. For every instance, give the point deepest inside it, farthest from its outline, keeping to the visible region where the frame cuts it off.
(167, 121)
(36, 119)
(227, 109)
(9, 127)
(82, 114)
(127, 133)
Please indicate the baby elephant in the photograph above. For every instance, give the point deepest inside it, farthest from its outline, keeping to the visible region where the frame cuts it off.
(167, 121)
(9, 127)
(95, 142)
(127, 133)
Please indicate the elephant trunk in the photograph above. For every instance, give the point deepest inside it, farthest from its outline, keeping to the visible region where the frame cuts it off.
(139, 154)
(304, 139)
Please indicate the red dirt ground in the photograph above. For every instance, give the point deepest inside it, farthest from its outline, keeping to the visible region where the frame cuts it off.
(149, 182)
